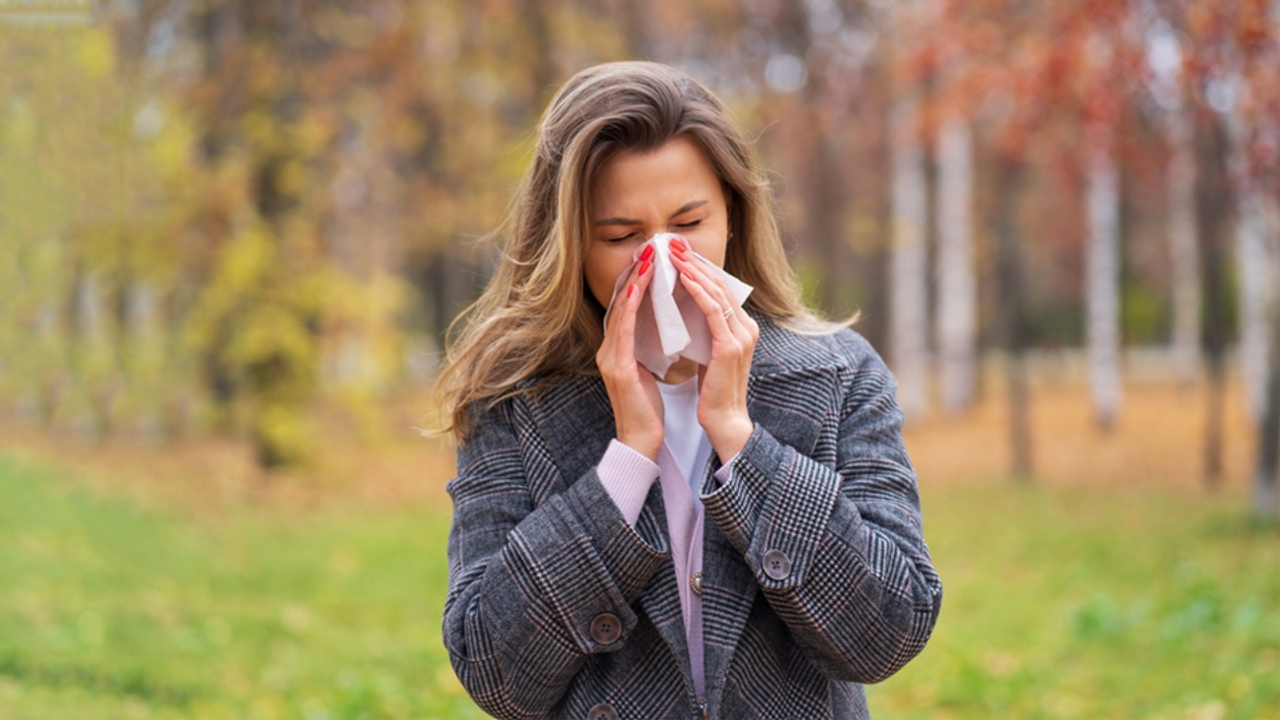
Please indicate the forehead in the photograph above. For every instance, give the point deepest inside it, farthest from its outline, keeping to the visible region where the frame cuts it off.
(673, 173)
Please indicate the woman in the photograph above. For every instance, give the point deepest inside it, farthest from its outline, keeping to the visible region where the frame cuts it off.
(737, 539)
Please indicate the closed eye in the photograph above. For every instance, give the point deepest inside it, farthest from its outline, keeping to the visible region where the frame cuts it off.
(694, 223)
(620, 239)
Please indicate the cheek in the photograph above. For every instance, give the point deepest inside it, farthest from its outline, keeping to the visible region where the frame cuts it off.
(710, 245)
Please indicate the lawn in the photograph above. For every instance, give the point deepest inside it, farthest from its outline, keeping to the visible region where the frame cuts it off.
(110, 611)
(1060, 603)
(1095, 603)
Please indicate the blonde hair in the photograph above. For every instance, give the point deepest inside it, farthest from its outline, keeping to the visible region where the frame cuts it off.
(537, 322)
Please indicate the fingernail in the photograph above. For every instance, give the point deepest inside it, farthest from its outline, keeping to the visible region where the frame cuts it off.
(630, 288)
(646, 253)
(644, 267)
(678, 253)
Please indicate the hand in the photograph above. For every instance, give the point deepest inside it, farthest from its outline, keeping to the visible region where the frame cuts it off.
(722, 386)
(633, 392)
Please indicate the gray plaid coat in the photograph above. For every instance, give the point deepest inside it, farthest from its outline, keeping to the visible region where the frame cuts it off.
(538, 552)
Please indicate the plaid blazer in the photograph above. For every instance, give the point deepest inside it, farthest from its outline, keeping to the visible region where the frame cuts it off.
(816, 577)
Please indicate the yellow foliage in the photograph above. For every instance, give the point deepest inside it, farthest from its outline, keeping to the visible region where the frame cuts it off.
(291, 179)
(285, 435)
(20, 127)
(171, 150)
(260, 129)
(95, 52)
(314, 133)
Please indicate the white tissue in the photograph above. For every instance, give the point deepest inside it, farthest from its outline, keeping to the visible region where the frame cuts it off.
(669, 324)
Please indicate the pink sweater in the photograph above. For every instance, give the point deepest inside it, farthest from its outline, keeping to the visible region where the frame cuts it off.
(627, 476)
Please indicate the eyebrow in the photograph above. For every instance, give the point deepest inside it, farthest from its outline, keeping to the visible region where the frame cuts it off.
(693, 204)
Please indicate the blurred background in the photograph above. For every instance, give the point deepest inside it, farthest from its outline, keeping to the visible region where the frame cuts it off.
(233, 235)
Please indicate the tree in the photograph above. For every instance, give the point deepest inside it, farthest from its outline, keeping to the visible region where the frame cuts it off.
(1259, 38)
(1257, 284)
(1010, 66)
(1013, 327)
(1182, 247)
(1266, 498)
(957, 304)
(908, 338)
(1103, 278)
(909, 300)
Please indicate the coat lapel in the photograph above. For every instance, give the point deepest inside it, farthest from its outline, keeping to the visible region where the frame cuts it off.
(794, 387)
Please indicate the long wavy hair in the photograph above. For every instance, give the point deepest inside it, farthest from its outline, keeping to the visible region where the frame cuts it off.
(537, 322)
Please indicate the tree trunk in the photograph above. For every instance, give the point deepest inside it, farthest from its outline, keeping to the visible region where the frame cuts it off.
(1013, 326)
(1102, 328)
(957, 304)
(825, 223)
(909, 292)
(1212, 208)
(1256, 287)
(1265, 495)
(1182, 249)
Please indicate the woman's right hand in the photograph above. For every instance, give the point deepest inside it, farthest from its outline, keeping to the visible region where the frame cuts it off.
(633, 391)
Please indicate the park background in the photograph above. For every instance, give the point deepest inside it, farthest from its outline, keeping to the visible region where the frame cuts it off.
(233, 234)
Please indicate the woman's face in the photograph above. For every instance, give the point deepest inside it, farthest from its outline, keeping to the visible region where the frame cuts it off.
(637, 195)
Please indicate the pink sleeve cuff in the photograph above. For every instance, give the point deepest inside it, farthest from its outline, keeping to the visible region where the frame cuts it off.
(627, 476)
(722, 475)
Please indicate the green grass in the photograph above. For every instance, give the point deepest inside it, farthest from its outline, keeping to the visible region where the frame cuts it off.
(1095, 604)
(1059, 604)
(107, 611)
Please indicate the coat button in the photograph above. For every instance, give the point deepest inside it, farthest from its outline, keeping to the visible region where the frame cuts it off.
(776, 565)
(603, 711)
(695, 583)
(606, 629)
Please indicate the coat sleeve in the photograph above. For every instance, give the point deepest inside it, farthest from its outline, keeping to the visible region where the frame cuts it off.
(526, 582)
(860, 594)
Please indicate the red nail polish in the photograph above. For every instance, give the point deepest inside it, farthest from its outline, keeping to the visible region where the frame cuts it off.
(646, 253)
(678, 253)
(644, 267)
(630, 288)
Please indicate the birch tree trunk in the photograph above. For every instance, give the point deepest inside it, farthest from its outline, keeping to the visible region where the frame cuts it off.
(908, 331)
(957, 308)
(1102, 329)
(1256, 289)
(1183, 251)
(1255, 284)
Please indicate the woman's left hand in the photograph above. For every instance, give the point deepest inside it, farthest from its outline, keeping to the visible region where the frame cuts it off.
(722, 387)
